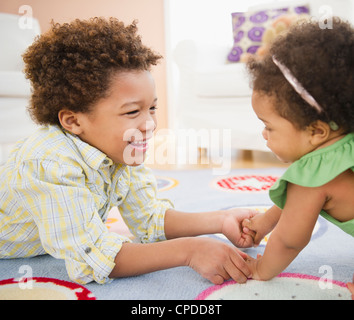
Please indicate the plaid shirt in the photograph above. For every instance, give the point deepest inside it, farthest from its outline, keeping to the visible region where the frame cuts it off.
(55, 195)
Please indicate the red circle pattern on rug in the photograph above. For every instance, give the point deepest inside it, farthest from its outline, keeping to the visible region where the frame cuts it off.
(286, 286)
(52, 288)
(248, 183)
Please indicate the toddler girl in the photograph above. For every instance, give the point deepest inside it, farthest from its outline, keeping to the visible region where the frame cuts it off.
(303, 93)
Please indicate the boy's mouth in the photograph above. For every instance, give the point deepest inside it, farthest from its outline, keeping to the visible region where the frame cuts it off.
(139, 145)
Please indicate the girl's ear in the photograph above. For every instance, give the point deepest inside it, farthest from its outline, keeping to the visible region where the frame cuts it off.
(319, 132)
(70, 121)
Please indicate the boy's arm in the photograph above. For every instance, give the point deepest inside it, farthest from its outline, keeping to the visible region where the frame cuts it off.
(228, 222)
(182, 249)
(151, 219)
(224, 263)
(293, 231)
(182, 224)
(137, 258)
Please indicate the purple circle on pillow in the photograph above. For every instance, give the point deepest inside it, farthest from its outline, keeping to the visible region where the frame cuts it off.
(240, 20)
(259, 17)
(238, 36)
(235, 54)
(256, 33)
(302, 9)
(253, 49)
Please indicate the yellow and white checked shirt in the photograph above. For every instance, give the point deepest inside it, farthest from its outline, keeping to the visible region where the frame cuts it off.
(55, 194)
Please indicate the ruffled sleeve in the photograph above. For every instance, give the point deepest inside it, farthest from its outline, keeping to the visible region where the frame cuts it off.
(316, 168)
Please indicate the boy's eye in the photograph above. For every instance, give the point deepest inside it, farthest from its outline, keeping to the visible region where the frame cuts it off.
(153, 108)
(132, 112)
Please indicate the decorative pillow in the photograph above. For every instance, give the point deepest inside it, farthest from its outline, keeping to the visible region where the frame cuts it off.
(248, 28)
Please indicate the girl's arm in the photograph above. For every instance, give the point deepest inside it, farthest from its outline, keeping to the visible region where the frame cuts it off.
(293, 231)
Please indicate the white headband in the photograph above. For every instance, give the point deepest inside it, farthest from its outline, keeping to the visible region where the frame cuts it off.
(297, 85)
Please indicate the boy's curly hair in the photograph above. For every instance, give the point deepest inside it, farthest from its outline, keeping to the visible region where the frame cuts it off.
(322, 60)
(70, 66)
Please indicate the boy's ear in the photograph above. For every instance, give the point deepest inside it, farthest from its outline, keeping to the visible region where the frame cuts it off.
(319, 132)
(70, 121)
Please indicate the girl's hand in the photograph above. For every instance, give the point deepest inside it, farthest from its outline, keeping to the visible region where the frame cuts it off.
(256, 228)
(252, 264)
(232, 227)
(217, 261)
(261, 224)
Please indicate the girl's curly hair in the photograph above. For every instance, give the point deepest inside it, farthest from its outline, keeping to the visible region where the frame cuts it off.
(322, 60)
(71, 66)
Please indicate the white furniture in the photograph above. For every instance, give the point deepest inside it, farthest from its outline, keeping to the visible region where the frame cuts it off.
(15, 91)
(215, 94)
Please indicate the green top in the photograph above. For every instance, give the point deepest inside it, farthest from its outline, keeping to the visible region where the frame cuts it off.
(316, 169)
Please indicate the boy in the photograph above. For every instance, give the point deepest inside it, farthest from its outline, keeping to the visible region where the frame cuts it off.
(95, 98)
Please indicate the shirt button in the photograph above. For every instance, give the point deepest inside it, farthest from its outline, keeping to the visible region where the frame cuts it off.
(119, 198)
(105, 161)
(87, 250)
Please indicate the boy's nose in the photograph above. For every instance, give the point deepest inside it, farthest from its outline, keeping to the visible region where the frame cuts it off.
(148, 125)
(264, 134)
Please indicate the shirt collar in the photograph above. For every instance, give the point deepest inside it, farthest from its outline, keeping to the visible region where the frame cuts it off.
(95, 158)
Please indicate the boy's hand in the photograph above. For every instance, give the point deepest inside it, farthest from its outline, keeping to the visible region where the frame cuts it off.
(217, 261)
(232, 227)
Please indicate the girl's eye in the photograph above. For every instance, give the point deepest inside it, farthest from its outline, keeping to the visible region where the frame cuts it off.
(153, 109)
(266, 128)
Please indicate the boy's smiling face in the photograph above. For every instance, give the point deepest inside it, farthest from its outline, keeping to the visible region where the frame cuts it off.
(120, 124)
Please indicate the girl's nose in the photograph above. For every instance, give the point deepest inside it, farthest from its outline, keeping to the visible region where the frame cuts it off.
(264, 134)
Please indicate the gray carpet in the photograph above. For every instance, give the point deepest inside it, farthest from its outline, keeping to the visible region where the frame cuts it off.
(329, 247)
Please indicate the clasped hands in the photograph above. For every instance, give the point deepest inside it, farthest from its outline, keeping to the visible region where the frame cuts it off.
(218, 261)
(251, 229)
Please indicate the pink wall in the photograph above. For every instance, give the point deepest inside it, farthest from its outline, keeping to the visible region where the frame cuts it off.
(149, 13)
